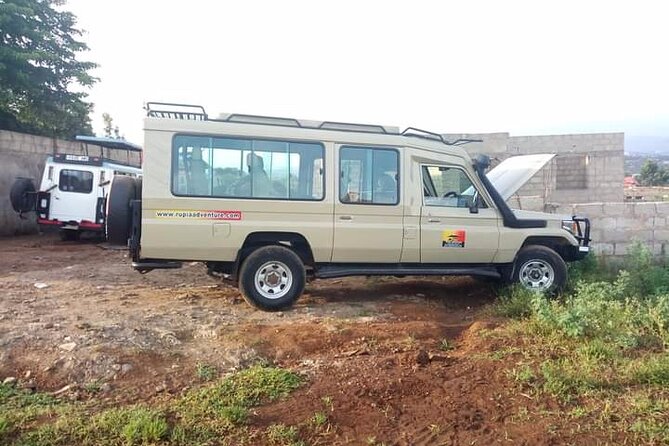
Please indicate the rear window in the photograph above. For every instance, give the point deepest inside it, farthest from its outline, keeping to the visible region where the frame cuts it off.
(80, 181)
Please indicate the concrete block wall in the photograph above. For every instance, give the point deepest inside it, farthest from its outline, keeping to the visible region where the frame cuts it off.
(616, 226)
(571, 172)
(23, 155)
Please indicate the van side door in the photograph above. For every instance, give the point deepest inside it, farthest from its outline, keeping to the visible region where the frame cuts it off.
(457, 225)
(368, 211)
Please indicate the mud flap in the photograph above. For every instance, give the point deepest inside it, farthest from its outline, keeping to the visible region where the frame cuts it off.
(135, 229)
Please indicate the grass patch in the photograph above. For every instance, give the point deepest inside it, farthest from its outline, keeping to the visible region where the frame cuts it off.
(523, 374)
(5, 427)
(19, 408)
(282, 435)
(652, 371)
(514, 302)
(201, 416)
(328, 402)
(205, 372)
(93, 387)
(445, 345)
(130, 426)
(145, 427)
(220, 408)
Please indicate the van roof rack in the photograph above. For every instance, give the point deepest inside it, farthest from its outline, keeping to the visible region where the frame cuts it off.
(301, 123)
(259, 119)
(463, 141)
(197, 113)
(171, 110)
(426, 134)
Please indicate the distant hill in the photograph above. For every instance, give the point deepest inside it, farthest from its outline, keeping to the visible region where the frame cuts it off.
(640, 144)
(634, 161)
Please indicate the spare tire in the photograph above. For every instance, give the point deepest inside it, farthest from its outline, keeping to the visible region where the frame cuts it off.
(22, 195)
(119, 215)
(138, 188)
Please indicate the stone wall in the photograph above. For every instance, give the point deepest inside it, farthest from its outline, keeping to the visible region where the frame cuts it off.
(615, 226)
(646, 193)
(23, 155)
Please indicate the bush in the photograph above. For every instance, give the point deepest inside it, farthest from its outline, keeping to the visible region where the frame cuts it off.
(515, 302)
(625, 310)
(591, 268)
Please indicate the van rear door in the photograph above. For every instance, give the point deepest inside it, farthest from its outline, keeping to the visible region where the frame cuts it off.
(75, 196)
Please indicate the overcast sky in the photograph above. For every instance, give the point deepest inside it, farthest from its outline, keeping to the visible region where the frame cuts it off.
(525, 67)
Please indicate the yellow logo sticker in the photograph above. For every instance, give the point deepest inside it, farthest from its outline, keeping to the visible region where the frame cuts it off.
(453, 238)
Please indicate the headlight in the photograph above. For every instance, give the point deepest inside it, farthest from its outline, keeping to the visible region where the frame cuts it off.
(571, 226)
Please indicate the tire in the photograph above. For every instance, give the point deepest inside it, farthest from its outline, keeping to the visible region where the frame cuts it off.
(138, 188)
(69, 235)
(288, 269)
(541, 269)
(118, 218)
(22, 195)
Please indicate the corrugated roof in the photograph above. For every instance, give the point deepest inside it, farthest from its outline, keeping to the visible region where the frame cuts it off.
(112, 143)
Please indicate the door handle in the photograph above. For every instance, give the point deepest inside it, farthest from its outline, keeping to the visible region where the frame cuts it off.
(345, 217)
(433, 220)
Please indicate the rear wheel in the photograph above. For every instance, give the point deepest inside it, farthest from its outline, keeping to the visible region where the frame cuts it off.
(539, 268)
(272, 278)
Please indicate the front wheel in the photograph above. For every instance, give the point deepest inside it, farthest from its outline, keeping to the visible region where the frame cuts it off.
(272, 278)
(539, 268)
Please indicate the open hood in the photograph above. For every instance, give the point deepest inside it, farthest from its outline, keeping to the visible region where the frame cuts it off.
(510, 175)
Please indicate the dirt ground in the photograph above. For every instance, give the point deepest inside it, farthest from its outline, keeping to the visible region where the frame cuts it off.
(393, 361)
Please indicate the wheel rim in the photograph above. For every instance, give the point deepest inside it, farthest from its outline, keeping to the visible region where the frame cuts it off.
(536, 275)
(273, 280)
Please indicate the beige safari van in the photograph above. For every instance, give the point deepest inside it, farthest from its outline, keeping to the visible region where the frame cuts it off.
(271, 202)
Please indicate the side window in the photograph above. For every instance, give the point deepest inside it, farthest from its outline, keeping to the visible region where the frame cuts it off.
(448, 187)
(244, 168)
(80, 181)
(368, 175)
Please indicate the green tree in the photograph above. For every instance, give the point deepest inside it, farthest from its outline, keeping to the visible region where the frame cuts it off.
(39, 70)
(653, 174)
(109, 124)
(110, 130)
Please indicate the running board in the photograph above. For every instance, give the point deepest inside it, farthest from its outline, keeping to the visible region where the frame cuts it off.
(332, 271)
(145, 267)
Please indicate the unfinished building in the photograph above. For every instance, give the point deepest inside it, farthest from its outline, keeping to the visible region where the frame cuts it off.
(588, 167)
